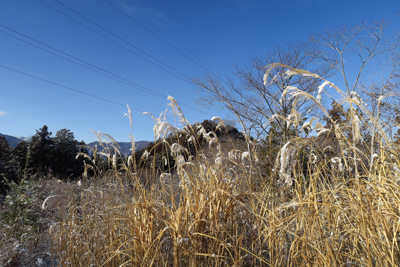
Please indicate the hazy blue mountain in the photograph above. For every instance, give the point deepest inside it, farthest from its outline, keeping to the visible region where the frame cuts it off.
(125, 146)
(13, 141)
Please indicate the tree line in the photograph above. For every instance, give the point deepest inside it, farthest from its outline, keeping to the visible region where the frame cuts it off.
(44, 155)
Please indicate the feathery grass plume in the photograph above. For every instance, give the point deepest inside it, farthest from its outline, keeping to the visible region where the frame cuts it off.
(217, 210)
(288, 90)
(318, 126)
(322, 131)
(176, 109)
(294, 92)
(357, 98)
(355, 121)
(129, 115)
(278, 116)
(114, 161)
(145, 155)
(294, 117)
(177, 148)
(133, 143)
(337, 161)
(321, 88)
(292, 72)
(308, 124)
(285, 157)
(265, 78)
(216, 118)
(210, 137)
(163, 129)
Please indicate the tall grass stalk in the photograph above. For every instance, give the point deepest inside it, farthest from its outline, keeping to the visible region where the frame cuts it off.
(229, 210)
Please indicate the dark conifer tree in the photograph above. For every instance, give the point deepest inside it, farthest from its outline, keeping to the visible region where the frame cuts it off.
(7, 169)
(41, 151)
(5, 149)
(19, 155)
(66, 149)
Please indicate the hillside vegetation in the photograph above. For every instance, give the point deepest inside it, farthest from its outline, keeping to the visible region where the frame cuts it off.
(314, 207)
(301, 191)
(321, 199)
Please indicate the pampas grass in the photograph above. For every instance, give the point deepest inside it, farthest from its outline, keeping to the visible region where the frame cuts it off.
(321, 205)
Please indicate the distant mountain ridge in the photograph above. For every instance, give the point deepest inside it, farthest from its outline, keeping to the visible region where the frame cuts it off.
(125, 146)
(14, 141)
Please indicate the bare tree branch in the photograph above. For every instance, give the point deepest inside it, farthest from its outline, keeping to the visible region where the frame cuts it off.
(254, 102)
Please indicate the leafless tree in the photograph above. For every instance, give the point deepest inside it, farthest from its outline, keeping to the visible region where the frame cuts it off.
(367, 42)
(254, 102)
(371, 45)
(383, 93)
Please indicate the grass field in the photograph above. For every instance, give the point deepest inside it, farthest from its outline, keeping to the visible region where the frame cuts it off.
(327, 200)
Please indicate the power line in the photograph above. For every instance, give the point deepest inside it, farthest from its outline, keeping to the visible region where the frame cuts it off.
(176, 49)
(74, 90)
(128, 82)
(72, 61)
(161, 30)
(66, 87)
(194, 30)
(83, 25)
(124, 47)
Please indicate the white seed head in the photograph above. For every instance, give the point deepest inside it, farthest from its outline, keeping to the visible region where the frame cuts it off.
(145, 155)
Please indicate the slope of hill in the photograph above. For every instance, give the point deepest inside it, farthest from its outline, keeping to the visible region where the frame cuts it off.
(125, 146)
(13, 141)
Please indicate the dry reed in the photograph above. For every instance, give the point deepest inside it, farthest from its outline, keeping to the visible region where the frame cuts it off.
(227, 211)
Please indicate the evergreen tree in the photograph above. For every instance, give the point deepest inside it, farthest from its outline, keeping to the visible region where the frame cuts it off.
(19, 153)
(41, 151)
(7, 169)
(66, 149)
(5, 149)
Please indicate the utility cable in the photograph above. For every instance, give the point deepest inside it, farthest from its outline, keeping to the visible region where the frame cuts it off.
(105, 37)
(66, 87)
(173, 39)
(173, 47)
(77, 63)
(128, 82)
(74, 90)
(194, 30)
(155, 36)
(136, 54)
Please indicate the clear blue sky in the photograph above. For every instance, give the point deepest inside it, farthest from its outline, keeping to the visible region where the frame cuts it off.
(196, 36)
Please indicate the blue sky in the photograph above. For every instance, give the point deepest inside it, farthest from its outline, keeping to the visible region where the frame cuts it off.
(188, 37)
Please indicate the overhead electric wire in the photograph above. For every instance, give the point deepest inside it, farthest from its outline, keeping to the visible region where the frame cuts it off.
(128, 82)
(154, 35)
(194, 30)
(124, 46)
(176, 49)
(75, 90)
(169, 36)
(74, 62)
(66, 87)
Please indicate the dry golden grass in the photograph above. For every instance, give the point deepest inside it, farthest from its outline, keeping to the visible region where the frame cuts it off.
(213, 219)
(225, 211)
